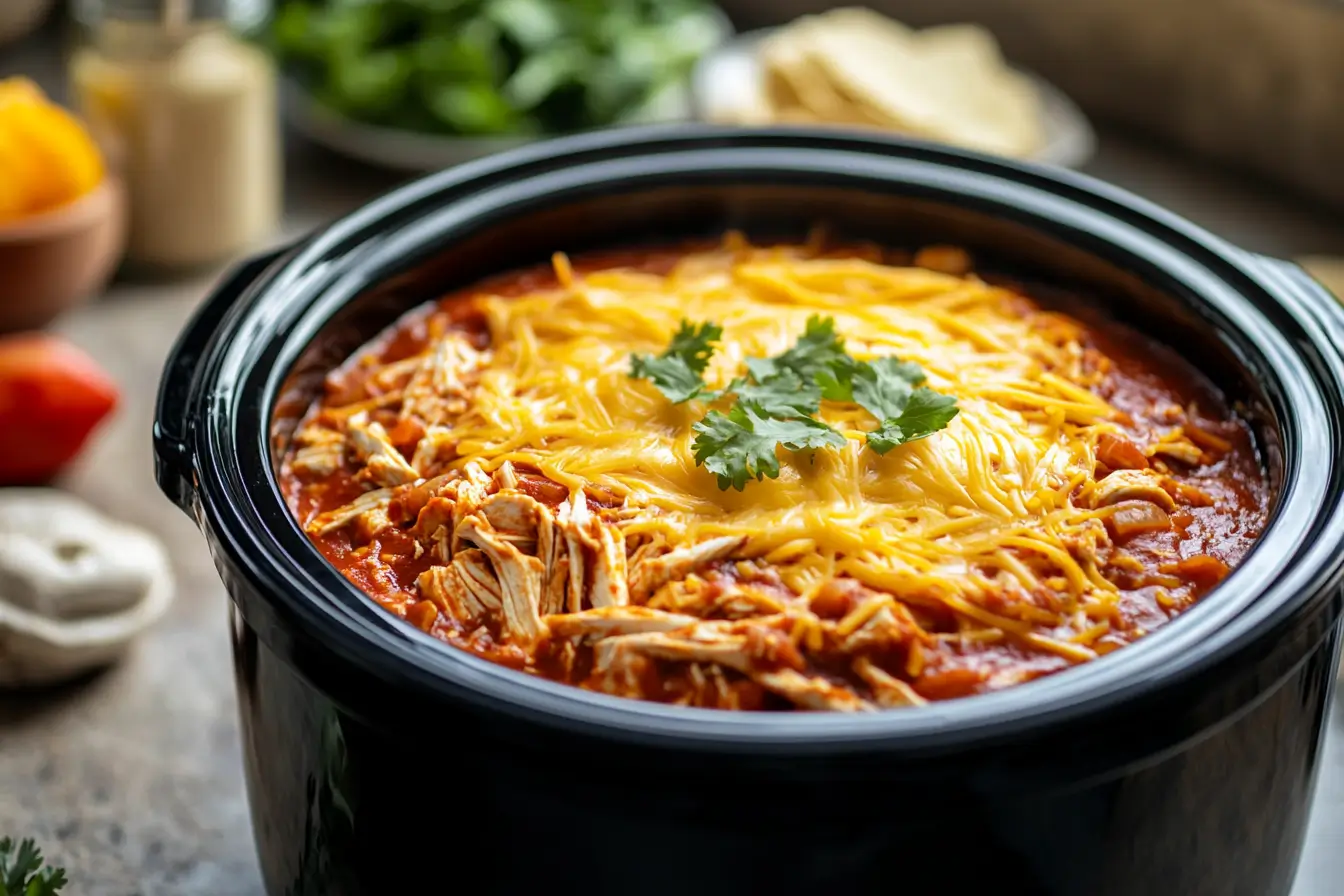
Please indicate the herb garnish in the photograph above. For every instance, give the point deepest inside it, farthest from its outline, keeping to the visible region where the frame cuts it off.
(740, 445)
(678, 371)
(776, 403)
(22, 874)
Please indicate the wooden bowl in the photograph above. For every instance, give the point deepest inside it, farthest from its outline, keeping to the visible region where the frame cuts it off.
(54, 261)
(19, 18)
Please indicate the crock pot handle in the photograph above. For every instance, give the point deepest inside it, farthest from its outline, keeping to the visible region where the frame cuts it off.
(174, 465)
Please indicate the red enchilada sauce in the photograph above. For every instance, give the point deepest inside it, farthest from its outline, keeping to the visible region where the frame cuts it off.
(1162, 553)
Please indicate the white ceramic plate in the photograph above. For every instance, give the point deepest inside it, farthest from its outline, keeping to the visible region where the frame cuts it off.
(729, 79)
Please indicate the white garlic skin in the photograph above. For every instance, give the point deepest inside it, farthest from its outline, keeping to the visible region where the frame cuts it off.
(76, 587)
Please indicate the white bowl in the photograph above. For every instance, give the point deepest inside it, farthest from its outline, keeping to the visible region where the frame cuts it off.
(729, 79)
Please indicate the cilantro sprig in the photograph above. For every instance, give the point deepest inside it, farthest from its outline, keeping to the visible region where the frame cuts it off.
(679, 372)
(893, 392)
(741, 445)
(22, 873)
(776, 402)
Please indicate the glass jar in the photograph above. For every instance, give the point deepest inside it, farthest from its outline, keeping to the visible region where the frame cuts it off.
(186, 111)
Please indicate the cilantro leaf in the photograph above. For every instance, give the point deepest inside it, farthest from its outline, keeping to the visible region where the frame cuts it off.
(925, 412)
(677, 372)
(883, 386)
(817, 349)
(22, 874)
(741, 445)
(783, 394)
(776, 402)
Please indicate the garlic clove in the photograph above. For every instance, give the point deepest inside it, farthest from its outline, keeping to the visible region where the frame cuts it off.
(76, 587)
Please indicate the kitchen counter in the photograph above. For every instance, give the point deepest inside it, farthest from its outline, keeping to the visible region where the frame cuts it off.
(132, 780)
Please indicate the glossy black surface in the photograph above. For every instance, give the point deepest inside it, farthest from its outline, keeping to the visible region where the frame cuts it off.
(1181, 764)
(345, 806)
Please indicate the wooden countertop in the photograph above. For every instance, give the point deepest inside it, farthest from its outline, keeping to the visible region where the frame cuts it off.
(133, 780)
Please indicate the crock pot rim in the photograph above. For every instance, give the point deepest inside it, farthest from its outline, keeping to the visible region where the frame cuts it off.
(967, 718)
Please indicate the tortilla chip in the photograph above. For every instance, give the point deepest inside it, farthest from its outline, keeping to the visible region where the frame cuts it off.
(855, 67)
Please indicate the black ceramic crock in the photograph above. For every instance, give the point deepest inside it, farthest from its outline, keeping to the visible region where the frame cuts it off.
(380, 761)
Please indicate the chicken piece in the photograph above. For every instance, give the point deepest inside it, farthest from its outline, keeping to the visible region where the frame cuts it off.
(473, 473)
(369, 502)
(469, 495)
(609, 588)
(530, 526)
(434, 526)
(520, 579)
(1132, 485)
(505, 477)
(466, 590)
(737, 601)
(1133, 518)
(707, 643)
(480, 579)
(812, 692)
(604, 584)
(409, 500)
(701, 644)
(437, 390)
(889, 691)
(1182, 450)
(553, 553)
(515, 518)
(615, 621)
(368, 524)
(650, 574)
(890, 627)
(383, 463)
(1087, 542)
(319, 451)
(430, 449)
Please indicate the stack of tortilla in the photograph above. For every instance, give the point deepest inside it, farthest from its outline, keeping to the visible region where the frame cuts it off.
(854, 67)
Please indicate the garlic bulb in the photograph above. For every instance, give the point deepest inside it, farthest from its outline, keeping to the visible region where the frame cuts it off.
(75, 586)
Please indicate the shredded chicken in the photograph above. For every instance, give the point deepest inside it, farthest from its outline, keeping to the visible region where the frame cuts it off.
(650, 574)
(554, 529)
(432, 445)
(742, 647)
(1185, 451)
(370, 503)
(519, 578)
(383, 463)
(889, 690)
(608, 621)
(318, 451)
(1132, 485)
(440, 387)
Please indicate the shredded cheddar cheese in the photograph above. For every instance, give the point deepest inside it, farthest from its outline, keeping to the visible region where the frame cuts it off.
(535, 502)
(935, 516)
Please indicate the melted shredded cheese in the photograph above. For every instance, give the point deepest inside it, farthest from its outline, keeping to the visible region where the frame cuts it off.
(528, 499)
(984, 503)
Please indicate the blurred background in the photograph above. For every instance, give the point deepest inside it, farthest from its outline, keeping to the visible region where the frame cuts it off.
(276, 114)
(147, 144)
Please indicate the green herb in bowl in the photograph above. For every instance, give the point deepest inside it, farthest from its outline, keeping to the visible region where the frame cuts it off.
(492, 67)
